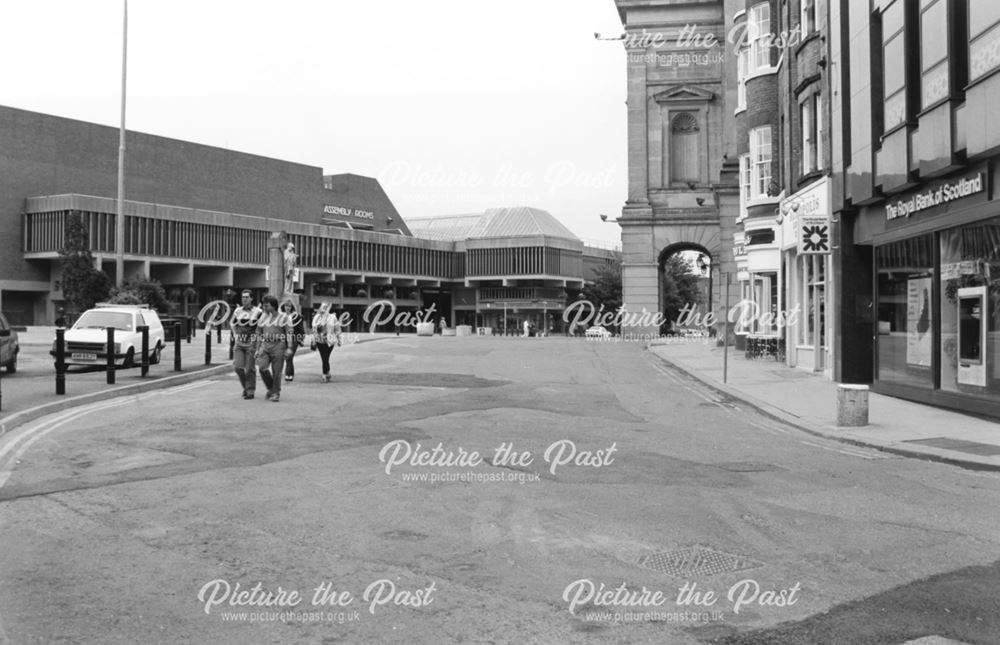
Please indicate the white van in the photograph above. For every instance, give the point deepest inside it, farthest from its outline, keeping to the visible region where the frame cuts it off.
(86, 340)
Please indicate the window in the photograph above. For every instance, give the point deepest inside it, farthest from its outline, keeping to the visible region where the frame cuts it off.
(760, 162)
(811, 120)
(759, 31)
(984, 37)
(934, 84)
(906, 317)
(807, 23)
(820, 118)
(745, 185)
(741, 78)
(893, 66)
(808, 138)
(812, 278)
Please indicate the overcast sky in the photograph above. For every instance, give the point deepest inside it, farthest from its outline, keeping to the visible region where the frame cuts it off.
(454, 105)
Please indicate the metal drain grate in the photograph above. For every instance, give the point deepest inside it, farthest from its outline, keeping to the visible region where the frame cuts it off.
(696, 560)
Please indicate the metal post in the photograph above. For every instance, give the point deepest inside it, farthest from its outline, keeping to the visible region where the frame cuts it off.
(232, 343)
(189, 327)
(111, 355)
(144, 330)
(725, 333)
(60, 361)
(218, 334)
(120, 210)
(208, 345)
(177, 346)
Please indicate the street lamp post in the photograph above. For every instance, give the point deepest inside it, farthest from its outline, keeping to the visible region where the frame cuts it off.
(119, 213)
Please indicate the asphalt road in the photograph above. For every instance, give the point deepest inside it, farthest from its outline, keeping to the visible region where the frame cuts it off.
(480, 490)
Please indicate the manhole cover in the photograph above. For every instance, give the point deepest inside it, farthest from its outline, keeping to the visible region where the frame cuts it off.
(696, 560)
(747, 466)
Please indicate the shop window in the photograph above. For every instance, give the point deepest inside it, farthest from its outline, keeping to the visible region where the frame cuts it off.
(812, 315)
(970, 308)
(906, 319)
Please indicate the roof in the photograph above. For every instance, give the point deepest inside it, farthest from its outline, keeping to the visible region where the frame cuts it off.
(520, 221)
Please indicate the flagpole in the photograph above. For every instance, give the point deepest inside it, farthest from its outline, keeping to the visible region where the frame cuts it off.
(119, 213)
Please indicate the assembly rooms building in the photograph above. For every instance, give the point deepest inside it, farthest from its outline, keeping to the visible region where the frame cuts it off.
(197, 218)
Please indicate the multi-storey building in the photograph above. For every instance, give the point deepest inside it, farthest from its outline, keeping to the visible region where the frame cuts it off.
(916, 85)
(682, 163)
(197, 218)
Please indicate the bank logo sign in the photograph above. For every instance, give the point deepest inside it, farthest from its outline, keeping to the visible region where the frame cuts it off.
(814, 235)
(942, 194)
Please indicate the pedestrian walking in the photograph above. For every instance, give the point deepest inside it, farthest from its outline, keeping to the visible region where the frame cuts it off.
(242, 325)
(298, 337)
(326, 328)
(274, 341)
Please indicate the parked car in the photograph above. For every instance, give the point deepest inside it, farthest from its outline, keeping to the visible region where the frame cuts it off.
(86, 340)
(9, 345)
(597, 332)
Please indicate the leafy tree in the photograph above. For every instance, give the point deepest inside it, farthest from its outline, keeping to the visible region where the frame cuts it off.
(680, 287)
(82, 284)
(141, 290)
(606, 289)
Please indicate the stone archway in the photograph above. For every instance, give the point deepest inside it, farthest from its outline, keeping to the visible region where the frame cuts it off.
(646, 245)
(685, 276)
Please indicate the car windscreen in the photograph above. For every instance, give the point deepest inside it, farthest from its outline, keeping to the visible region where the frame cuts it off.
(104, 319)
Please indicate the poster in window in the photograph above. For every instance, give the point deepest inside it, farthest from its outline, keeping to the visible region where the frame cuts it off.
(918, 322)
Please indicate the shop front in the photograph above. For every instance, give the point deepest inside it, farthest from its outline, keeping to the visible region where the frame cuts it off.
(809, 277)
(937, 274)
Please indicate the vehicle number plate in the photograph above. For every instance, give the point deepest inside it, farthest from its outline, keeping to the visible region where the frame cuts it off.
(84, 357)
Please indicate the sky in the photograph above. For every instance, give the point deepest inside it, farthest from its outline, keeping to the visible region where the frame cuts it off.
(455, 106)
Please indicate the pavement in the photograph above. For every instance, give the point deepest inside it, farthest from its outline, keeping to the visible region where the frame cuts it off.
(808, 401)
(30, 392)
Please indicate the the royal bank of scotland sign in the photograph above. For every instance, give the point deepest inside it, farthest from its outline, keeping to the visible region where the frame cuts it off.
(814, 235)
(935, 196)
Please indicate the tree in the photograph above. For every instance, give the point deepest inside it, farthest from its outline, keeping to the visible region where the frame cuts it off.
(680, 288)
(82, 284)
(606, 289)
(141, 290)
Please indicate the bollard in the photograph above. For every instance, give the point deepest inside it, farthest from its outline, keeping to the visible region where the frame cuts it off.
(232, 345)
(144, 330)
(177, 346)
(111, 355)
(60, 361)
(218, 334)
(852, 405)
(208, 345)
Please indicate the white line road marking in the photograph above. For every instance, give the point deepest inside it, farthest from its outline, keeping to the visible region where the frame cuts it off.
(14, 445)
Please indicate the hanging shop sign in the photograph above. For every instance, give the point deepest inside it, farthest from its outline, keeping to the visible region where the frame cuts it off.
(813, 234)
(935, 195)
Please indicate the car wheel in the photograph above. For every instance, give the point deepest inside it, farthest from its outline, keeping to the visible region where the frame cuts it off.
(129, 358)
(154, 356)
